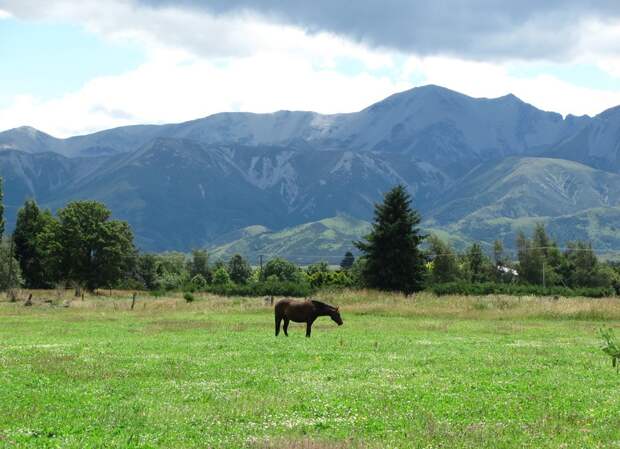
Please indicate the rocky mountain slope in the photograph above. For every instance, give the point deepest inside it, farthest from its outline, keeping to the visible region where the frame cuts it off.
(476, 169)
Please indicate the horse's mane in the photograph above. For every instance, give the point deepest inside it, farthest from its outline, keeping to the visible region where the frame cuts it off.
(322, 305)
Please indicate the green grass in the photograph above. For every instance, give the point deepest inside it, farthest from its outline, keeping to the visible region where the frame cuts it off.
(401, 373)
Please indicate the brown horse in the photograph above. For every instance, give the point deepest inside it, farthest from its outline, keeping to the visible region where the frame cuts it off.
(303, 312)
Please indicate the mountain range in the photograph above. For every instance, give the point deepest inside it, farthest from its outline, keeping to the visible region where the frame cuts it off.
(301, 183)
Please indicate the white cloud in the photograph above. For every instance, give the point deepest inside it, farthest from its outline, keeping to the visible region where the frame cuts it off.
(481, 79)
(172, 88)
(200, 64)
(5, 14)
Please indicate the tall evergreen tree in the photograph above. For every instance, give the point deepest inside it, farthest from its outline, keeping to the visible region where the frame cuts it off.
(477, 263)
(348, 261)
(31, 221)
(394, 261)
(1, 208)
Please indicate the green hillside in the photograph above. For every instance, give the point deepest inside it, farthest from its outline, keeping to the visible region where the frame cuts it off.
(327, 239)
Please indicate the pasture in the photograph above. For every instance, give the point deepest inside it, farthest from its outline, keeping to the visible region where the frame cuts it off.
(496, 372)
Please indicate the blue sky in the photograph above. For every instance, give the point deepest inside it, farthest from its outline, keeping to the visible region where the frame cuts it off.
(73, 67)
(49, 59)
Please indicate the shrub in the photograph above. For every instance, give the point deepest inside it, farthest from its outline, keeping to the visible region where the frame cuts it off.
(199, 282)
(282, 269)
(221, 276)
(189, 297)
(610, 347)
(267, 288)
(490, 288)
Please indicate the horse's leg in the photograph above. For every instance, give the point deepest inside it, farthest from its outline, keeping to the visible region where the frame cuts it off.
(309, 326)
(286, 321)
(278, 321)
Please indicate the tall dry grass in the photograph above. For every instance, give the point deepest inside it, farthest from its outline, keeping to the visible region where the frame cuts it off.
(357, 302)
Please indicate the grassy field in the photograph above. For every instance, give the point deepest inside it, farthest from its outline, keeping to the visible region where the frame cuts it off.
(493, 372)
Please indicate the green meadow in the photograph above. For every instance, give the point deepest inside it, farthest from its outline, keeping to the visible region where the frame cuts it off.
(418, 372)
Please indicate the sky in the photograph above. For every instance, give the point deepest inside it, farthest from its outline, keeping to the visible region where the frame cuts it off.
(74, 67)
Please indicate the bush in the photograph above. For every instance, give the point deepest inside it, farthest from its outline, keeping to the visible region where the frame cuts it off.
(490, 288)
(189, 297)
(199, 282)
(267, 288)
(281, 269)
(221, 276)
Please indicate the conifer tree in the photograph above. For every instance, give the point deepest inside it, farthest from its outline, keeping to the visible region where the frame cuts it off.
(1, 209)
(394, 261)
(347, 261)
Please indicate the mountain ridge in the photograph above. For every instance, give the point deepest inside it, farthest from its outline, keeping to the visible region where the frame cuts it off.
(188, 184)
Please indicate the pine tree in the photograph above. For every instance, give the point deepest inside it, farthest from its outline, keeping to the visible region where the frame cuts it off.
(347, 261)
(394, 261)
(498, 253)
(1, 209)
(477, 262)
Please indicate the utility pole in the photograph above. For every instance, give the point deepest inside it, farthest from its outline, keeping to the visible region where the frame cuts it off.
(260, 259)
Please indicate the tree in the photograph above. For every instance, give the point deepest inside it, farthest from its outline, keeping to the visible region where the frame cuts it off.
(31, 222)
(10, 273)
(221, 277)
(498, 253)
(199, 264)
(93, 250)
(445, 266)
(540, 259)
(239, 269)
(1, 208)
(394, 261)
(347, 261)
(318, 267)
(147, 265)
(282, 269)
(476, 263)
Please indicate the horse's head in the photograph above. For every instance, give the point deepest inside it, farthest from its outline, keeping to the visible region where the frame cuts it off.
(335, 315)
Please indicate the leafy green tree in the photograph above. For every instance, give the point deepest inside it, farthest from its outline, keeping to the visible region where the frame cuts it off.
(31, 222)
(479, 265)
(540, 259)
(445, 266)
(147, 274)
(281, 269)
(10, 273)
(199, 282)
(93, 250)
(221, 276)
(239, 269)
(347, 261)
(581, 268)
(318, 267)
(199, 264)
(394, 261)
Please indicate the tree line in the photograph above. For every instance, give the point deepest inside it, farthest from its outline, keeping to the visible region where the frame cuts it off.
(83, 247)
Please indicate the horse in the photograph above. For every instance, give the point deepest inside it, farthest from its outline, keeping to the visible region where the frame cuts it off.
(303, 312)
